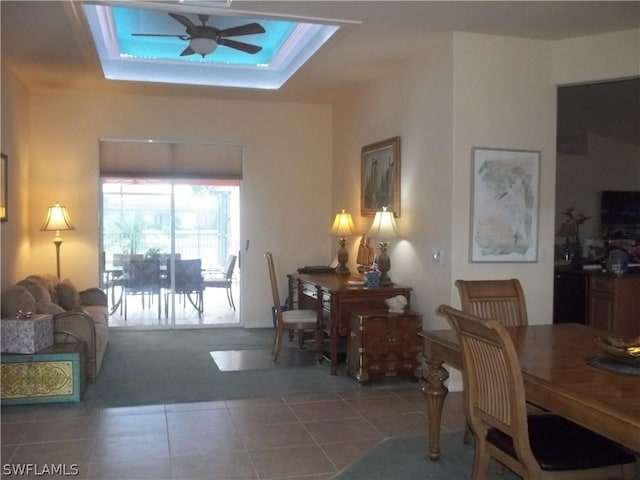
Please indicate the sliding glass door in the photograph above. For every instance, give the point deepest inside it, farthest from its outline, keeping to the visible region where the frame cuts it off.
(165, 243)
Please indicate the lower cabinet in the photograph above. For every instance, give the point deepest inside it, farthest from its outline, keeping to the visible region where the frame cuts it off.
(384, 343)
(570, 294)
(614, 304)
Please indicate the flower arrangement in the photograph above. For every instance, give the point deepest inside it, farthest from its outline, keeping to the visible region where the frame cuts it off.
(571, 230)
(575, 220)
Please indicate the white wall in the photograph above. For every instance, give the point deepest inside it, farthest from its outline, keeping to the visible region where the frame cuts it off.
(14, 238)
(596, 58)
(467, 90)
(413, 101)
(504, 99)
(286, 187)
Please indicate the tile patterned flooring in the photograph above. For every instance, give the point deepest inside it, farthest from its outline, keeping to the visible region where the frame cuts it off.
(295, 437)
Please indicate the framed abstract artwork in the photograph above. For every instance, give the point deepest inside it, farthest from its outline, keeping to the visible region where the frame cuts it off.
(505, 186)
(380, 177)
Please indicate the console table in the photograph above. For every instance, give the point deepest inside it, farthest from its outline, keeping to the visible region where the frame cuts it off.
(337, 297)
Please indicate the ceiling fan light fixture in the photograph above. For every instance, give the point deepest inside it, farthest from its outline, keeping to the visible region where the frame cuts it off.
(203, 45)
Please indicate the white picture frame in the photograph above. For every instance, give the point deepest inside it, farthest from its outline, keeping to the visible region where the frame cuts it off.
(505, 191)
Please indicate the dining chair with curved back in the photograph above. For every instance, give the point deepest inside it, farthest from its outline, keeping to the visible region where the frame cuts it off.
(224, 279)
(501, 300)
(291, 320)
(534, 446)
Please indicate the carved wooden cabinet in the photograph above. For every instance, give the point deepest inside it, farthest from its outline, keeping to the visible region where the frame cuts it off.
(382, 343)
(337, 297)
(614, 304)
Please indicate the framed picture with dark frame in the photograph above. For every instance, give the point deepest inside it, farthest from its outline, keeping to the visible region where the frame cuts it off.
(505, 190)
(380, 177)
(3, 187)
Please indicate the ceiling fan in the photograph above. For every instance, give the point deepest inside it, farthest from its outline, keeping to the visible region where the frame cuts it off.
(203, 39)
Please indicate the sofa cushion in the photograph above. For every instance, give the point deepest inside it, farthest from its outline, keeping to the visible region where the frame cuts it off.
(36, 288)
(68, 296)
(49, 307)
(17, 298)
(99, 313)
(50, 282)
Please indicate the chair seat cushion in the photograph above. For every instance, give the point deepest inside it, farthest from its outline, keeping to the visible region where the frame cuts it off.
(559, 444)
(300, 316)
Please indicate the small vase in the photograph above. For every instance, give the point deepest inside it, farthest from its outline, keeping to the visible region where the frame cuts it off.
(618, 262)
(371, 279)
(576, 258)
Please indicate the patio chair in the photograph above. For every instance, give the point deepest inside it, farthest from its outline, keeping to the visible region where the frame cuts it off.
(534, 446)
(143, 278)
(224, 279)
(188, 283)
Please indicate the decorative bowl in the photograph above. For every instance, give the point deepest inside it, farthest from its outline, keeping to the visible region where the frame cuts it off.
(626, 350)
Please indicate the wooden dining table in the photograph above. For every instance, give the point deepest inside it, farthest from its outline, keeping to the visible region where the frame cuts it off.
(557, 378)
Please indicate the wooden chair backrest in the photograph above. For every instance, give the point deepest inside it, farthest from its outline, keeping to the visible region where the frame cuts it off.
(494, 393)
(501, 300)
(274, 284)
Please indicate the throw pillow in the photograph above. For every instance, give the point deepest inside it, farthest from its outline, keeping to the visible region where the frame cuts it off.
(49, 307)
(36, 288)
(17, 298)
(68, 296)
(50, 282)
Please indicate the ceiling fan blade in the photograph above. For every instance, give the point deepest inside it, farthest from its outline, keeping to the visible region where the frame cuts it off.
(187, 51)
(244, 47)
(248, 29)
(183, 20)
(181, 37)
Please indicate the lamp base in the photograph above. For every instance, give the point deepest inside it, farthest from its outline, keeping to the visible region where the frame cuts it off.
(343, 258)
(384, 264)
(57, 241)
(342, 270)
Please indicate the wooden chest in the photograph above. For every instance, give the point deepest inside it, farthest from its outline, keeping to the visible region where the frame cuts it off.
(384, 344)
(55, 374)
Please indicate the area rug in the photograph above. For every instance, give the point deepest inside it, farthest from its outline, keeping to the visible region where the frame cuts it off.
(161, 367)
(404, 458)
(260, 359)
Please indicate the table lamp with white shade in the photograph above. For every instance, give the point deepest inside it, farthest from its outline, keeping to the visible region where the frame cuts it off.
(383, 229)
(343, 227)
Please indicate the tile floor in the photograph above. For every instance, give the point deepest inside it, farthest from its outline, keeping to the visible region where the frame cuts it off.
(308, 437)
